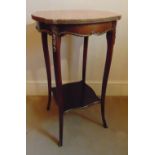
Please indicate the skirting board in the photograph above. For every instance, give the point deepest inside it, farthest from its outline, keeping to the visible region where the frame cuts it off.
(114, 88)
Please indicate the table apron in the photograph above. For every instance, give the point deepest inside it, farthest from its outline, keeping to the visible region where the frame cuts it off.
(78, 29)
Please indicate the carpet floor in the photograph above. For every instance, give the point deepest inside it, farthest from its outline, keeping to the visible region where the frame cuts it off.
(83, 131)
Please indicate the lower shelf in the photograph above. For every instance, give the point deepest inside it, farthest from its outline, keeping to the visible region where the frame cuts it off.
(77, 94)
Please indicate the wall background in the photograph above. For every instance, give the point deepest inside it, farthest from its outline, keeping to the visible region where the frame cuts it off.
(71, 49)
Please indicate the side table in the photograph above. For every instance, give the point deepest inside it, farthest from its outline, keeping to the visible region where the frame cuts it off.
(83, 23)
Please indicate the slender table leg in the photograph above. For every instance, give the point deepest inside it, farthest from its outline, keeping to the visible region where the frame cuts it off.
(84, 59)
(48, 68)
(56, 42)
(110, 43)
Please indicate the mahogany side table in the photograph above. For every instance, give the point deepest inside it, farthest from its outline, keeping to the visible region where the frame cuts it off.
(83, 23)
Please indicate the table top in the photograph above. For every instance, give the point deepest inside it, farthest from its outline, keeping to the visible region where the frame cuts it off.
(75, 16)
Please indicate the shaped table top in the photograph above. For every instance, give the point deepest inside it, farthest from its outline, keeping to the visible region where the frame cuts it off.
(74, 16)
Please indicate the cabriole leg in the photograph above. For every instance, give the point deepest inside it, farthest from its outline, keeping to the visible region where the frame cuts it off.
(110, 43)
(56, 42)
(47, 63)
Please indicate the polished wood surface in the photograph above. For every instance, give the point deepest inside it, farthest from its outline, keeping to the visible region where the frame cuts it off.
(84, 59)
(48, 66)
(78, 30)
(76, 95)
(75, 16)
(56, 42)
(83, 24)
(110, 44)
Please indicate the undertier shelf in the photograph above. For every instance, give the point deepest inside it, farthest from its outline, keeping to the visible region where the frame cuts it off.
(77, 94)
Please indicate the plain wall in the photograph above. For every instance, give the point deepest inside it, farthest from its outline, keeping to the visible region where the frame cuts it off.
(71, 49)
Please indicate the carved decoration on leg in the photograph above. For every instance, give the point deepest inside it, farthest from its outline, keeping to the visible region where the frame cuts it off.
(47, 63)
(56, 42)
(110, 43)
